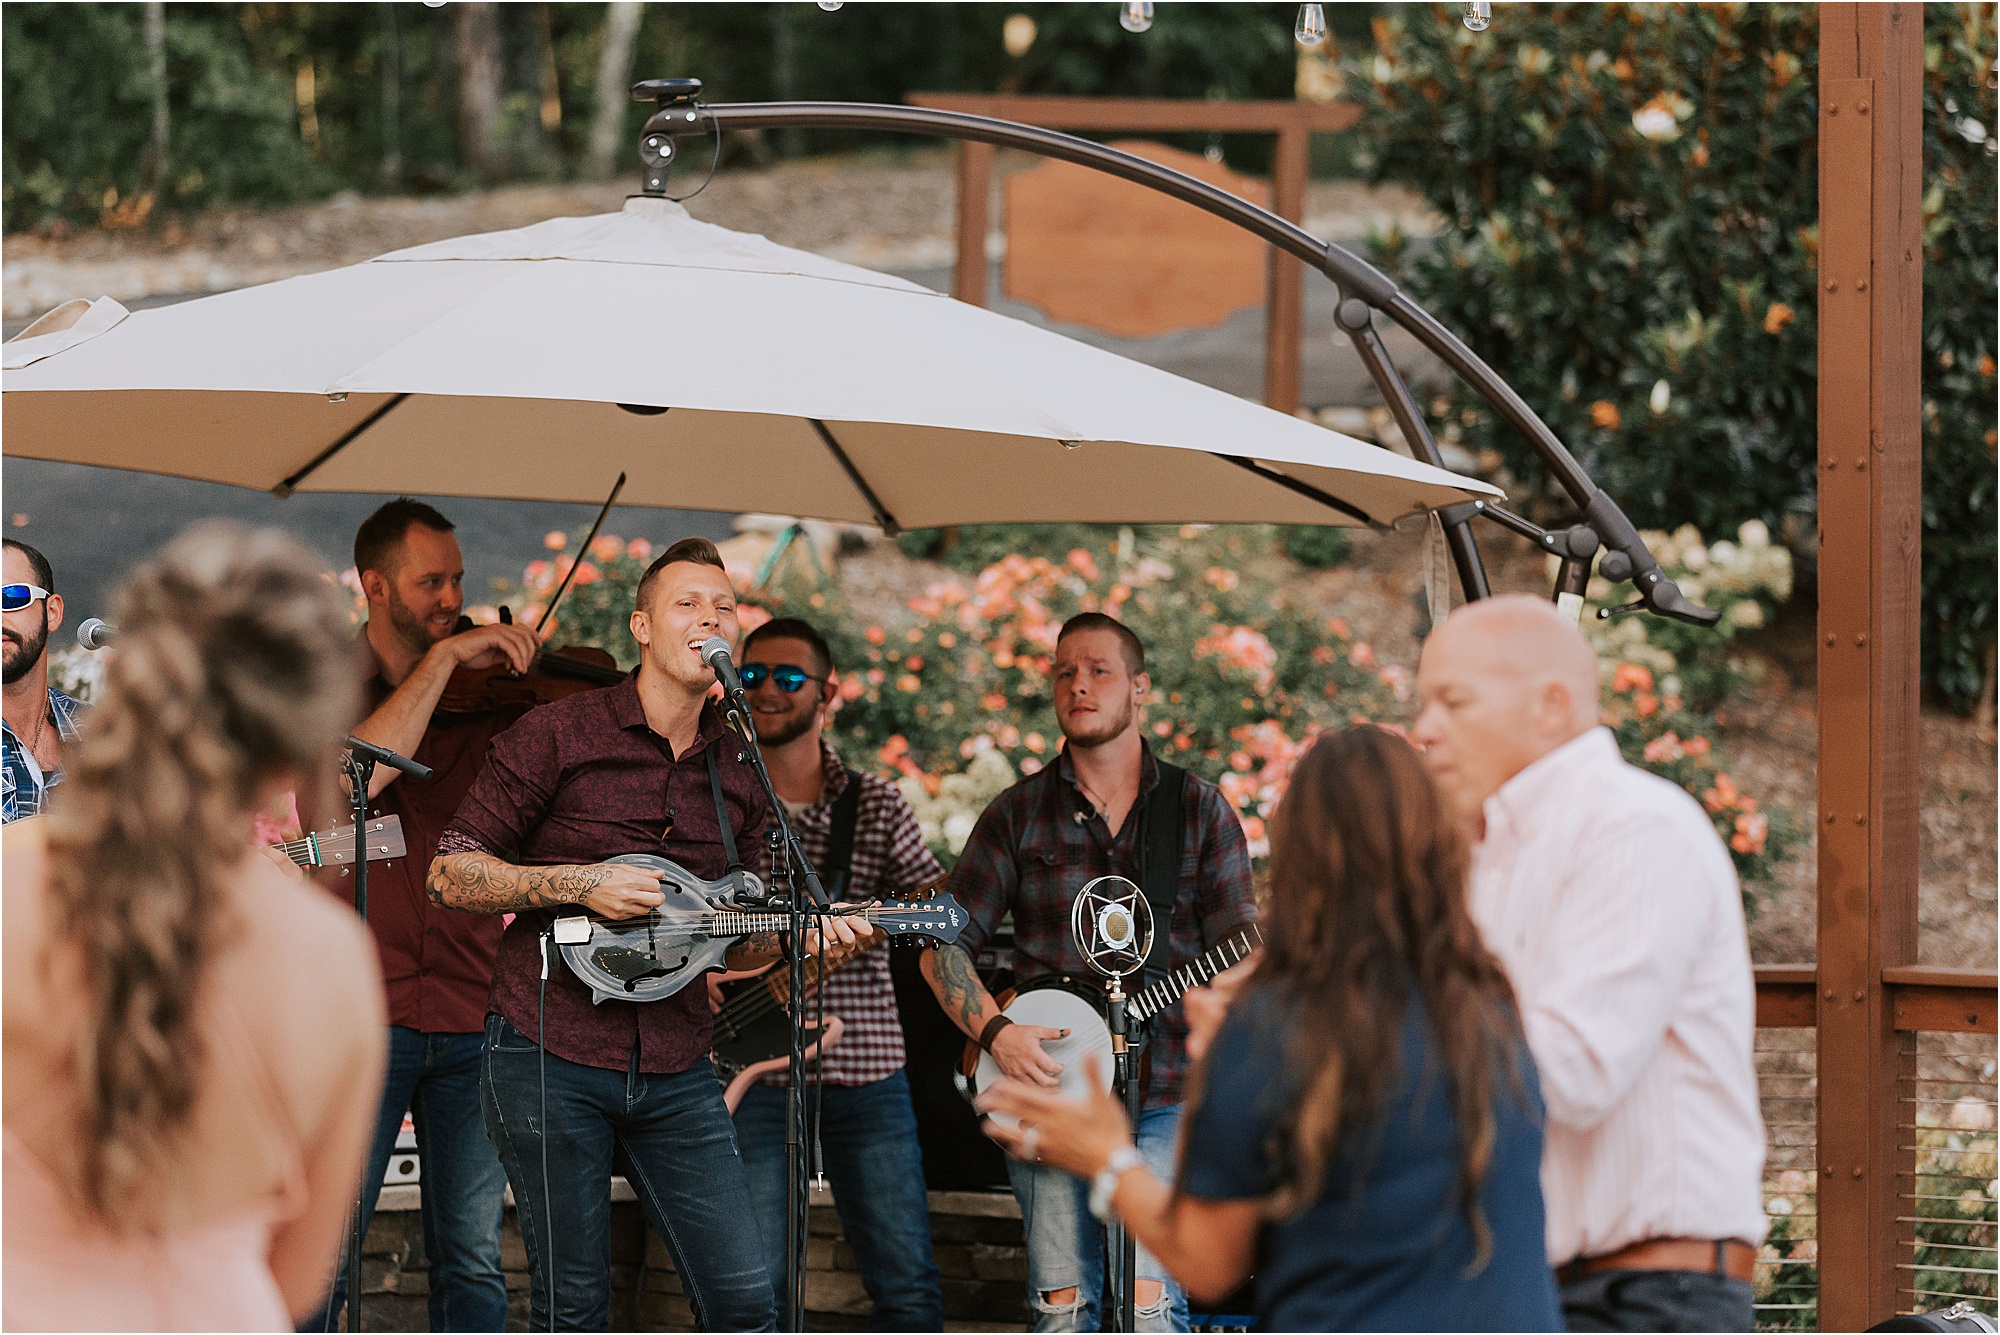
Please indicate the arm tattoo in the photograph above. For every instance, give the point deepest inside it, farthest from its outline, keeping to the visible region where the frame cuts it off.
(959, 990)
(750, 951)
(482, 883)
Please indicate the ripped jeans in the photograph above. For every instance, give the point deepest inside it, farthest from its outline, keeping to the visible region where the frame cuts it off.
(1066, 1243)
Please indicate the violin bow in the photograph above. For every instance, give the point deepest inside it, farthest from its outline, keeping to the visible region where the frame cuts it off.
(588, 538)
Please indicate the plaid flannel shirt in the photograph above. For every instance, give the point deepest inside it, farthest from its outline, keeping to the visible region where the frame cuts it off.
(890, 860)
(26, 787)
(1042, 840)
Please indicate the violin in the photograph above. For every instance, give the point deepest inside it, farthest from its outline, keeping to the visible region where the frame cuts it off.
(554, 675)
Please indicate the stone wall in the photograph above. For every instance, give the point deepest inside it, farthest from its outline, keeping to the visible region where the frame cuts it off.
(976, 1237)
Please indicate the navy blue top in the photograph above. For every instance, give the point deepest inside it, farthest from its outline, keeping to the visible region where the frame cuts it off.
(1386, 1246)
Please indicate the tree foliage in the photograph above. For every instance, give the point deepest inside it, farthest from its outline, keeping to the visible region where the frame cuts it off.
(1631, 232)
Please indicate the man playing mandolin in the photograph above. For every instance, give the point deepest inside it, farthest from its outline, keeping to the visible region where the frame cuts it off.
(864, 839)
(575, 1091)
(1090, 815)
(437, 963)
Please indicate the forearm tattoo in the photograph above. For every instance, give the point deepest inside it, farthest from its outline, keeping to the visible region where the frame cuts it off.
(482, 883)
(749, 951)
(964, 998)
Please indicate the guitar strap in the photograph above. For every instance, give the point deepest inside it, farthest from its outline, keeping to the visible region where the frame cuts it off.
(840, 840)
(722, 820)
(1160, 863)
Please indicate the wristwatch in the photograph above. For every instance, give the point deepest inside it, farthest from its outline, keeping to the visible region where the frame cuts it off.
(1105, 1185)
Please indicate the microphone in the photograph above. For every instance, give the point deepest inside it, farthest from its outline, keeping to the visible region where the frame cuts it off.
(95, 634)
(715, 653)
(382, 755)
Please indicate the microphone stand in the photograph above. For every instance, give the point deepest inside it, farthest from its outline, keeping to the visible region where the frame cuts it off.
(359, 764)
(804, 895)
(1120, 1247)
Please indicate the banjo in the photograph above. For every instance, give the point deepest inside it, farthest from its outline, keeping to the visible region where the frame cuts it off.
(655, 955)
(1113, 925)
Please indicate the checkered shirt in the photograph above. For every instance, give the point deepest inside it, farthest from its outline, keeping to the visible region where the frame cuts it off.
(26, 787)
(890, 860)
(1042, 840)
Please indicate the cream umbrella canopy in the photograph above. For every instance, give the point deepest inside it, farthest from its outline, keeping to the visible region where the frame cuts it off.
(719, 370)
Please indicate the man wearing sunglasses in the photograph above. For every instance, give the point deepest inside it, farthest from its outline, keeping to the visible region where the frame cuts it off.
(40, 719)
(863, 838)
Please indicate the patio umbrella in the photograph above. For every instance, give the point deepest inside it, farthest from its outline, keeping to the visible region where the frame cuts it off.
(718, 370)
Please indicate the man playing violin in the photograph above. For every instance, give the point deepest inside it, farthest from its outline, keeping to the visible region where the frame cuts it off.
(1084, 816)
(437, 963)
(574, 1092)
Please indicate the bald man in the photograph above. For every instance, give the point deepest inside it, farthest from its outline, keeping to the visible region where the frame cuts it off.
(1611, 901)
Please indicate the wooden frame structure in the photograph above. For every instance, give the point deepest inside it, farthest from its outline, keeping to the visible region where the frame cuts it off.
(1294, 124)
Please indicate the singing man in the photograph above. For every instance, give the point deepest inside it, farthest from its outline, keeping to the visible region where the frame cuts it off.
(576, 1092)
(1037, 844)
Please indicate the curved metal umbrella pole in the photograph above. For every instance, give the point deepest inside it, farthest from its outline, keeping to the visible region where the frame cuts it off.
(1365, 292)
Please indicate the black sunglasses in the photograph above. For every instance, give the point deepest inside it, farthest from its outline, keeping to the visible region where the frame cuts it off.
(14, 597)
(787, 677)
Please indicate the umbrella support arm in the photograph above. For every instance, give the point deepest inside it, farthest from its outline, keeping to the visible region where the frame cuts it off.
(1627, 558)
(283, 491)
(883, 519)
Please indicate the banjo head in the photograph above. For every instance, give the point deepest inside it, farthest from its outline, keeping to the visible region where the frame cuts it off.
(1056, 1008)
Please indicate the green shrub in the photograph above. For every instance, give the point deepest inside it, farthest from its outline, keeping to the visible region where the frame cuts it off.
(1315, 546)
(1630, 238)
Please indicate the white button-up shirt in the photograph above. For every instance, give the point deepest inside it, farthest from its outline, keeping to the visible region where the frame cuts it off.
(1615, 910)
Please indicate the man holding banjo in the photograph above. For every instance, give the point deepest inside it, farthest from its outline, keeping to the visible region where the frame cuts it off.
(1095, 812)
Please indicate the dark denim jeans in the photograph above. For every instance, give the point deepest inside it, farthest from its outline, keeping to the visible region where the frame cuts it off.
(670, 1136)
(868, 1140)
(1646, 1300)
(435, 1077)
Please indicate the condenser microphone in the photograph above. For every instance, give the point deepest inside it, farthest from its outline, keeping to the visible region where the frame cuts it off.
(95, 634)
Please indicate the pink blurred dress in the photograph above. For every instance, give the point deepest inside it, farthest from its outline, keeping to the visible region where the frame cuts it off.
(64, 1270)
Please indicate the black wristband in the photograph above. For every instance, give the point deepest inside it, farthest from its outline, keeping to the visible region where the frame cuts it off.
(992, 1031)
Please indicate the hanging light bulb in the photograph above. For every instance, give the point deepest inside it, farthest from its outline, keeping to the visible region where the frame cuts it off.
(1478, 15)
(1136, 16)
(1311, 27)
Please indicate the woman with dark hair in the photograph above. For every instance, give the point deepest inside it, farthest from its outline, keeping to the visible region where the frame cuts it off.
(193, 1035)
(1364, 1129)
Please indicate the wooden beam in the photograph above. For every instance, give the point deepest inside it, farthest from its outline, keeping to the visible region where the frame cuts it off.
(1159, 115)
(1284, 310)
(1870, 307)
(975, 205)
(1785, 996)
(1934, 999)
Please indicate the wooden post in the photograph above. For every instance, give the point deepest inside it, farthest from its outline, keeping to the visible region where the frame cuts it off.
(975, 203)
(1285, 309)
(1870, 485)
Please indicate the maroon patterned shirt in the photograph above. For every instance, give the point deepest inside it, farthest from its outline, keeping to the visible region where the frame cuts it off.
(1042, 840)
(437, 963)
(579, 781)
(890, 860)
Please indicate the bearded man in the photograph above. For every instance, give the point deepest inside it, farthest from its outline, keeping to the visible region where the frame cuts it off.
(437, 963)
(39, 718)
(1088, 815)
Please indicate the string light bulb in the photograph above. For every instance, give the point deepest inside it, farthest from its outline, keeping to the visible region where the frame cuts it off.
(1311, 27)
(1478, 15)
(1136, 16)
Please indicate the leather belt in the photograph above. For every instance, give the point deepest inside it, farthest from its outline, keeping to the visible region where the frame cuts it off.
(1707, 1256)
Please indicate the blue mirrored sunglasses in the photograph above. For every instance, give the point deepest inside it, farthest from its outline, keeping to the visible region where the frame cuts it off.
(788, 678)
(14, 597)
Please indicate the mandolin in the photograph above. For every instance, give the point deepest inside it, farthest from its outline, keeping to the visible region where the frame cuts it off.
(655, 955)
(335, 847)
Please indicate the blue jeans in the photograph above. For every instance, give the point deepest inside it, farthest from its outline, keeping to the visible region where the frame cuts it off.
(670, 1136)
(868, 1141)
(435, 1077)
(1066, 1243)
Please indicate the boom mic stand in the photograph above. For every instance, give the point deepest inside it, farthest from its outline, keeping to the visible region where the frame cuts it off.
(1113, 927)
(359, 764)
(804, 896)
